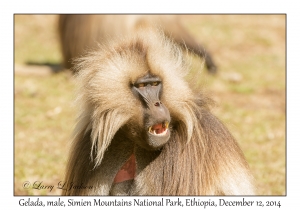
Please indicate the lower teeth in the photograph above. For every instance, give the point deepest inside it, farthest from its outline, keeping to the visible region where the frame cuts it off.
(164, 125)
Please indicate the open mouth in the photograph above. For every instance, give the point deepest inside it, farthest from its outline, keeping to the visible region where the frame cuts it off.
(159, 129)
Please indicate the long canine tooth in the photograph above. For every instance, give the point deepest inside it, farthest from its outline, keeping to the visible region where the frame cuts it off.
(166, 124)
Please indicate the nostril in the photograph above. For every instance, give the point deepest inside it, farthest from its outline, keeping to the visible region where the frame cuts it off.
(157, 103)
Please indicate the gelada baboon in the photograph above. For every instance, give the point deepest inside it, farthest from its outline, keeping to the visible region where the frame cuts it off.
(142, 130)
(82, 32)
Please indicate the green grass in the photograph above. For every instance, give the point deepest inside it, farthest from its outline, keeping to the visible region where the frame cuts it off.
(249, 91)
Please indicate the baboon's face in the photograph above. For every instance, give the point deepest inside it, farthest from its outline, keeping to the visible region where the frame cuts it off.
(154, 131)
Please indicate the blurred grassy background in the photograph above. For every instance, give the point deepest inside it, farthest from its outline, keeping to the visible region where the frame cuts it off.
(249, 90)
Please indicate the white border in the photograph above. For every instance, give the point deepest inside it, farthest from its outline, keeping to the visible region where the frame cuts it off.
(8, 8)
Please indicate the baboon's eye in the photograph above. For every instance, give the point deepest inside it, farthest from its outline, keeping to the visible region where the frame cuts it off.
(154, 83)
(140, 85)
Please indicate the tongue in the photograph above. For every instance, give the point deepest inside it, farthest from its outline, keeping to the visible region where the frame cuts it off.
(127, 172)
(158, 128)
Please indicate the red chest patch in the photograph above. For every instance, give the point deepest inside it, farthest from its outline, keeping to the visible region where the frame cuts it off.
(127, 171)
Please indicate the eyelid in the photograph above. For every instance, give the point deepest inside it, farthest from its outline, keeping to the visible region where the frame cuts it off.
(140, 85)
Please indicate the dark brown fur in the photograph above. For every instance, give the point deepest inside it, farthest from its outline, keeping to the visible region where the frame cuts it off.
(200, 158)
(82, 32)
